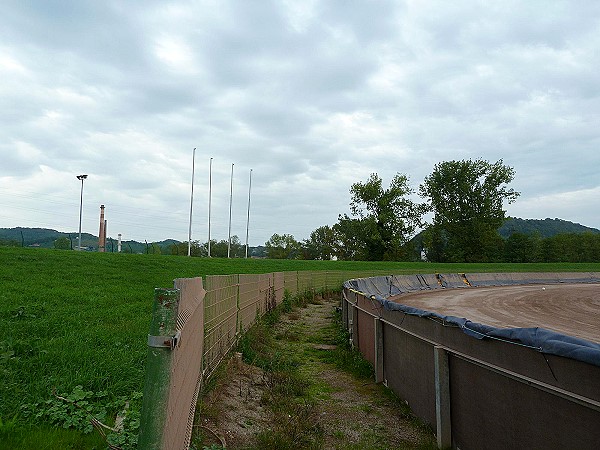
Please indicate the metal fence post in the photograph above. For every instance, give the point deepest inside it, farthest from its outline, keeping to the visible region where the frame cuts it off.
(158, 366)
(344, 309)
(378, 350)
(238, 319)
(354, 324)
(442, 398)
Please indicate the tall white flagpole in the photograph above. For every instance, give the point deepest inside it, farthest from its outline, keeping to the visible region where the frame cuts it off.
(230, 201)
(191, 205)
(209, 200)
(248, 219)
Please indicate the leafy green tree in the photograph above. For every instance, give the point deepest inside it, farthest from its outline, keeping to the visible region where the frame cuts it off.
(559, 248)
(62, 243)
(238, 250)
(523, 248)
(349, 244)
(572, 247)
(181, 248)
(283, 246)
(590, 247)
(9, 243)
(466, 198)
(218, 249)
(320, 244)
(388, 217)
(153, 248)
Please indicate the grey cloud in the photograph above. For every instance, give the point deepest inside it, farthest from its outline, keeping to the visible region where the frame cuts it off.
(311, 102)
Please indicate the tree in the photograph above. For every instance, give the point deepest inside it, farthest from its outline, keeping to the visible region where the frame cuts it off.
(349, 244)
(466, 198)
(283, 246)
(237, 249)
(320, 244)
(572, 247)
(388, 217)
(181, 248)
(523, 248)
(62, 243)
(219, 249)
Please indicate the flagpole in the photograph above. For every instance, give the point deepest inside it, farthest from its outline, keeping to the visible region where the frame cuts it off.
(191, 204)
(209, 200)
(230, 202)
(248, 219)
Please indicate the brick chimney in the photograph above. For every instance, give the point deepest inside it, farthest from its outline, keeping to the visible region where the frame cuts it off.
(102, 233)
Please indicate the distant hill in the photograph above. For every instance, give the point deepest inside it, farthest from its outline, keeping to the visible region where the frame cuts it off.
(45, 238)
(544, 227)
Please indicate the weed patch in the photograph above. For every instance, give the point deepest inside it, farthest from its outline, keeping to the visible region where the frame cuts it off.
(342, 356)
(85, 411)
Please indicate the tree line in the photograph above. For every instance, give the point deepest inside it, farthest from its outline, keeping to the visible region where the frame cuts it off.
(465, 200)
(218, 249)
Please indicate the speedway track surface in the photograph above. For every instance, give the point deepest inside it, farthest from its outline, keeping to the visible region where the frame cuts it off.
(570, 309)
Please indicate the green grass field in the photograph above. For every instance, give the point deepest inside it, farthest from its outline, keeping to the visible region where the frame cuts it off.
(72, 319)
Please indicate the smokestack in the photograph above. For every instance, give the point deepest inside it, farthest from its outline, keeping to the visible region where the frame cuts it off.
(119, 244)
(101, 233)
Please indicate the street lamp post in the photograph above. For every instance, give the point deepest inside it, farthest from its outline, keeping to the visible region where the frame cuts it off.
(80, 177)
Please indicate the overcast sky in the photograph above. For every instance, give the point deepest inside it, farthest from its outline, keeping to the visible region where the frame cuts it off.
(313, 96)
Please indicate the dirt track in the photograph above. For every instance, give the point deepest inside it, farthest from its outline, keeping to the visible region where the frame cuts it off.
(571, 309)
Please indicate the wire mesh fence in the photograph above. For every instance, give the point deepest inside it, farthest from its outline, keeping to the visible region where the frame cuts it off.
(221, 308)
(210, 318)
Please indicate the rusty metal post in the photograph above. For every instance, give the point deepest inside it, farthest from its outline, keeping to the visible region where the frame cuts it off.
(161, 340)
(344, 309)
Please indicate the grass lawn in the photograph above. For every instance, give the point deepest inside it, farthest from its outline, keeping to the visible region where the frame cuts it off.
(81, 319)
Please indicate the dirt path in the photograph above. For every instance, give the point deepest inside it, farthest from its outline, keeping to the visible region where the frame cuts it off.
(343, 411)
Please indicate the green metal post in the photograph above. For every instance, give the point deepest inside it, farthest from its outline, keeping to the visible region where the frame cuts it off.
(158, 368)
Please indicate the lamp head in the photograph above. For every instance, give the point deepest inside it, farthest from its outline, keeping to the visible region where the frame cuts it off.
(81, 177)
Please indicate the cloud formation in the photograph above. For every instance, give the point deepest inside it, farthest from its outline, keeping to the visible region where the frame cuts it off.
(313, 96)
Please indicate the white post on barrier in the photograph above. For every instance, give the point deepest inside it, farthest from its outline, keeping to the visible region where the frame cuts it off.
(442, 398)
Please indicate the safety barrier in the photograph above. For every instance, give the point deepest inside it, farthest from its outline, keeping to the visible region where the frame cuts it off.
(479, 387)
(194, 326)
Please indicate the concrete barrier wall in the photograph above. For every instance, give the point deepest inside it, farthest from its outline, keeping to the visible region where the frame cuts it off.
(499, 395)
